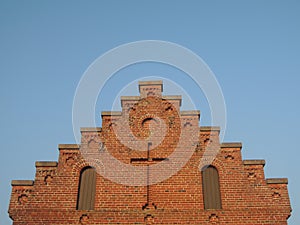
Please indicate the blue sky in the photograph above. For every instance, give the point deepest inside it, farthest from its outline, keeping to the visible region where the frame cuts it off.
(251, 46)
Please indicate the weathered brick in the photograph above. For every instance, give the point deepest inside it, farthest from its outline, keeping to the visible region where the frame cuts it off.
(247, 197)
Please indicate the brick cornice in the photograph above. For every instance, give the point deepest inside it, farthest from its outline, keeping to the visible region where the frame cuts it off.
(173, 97)
(150, 83)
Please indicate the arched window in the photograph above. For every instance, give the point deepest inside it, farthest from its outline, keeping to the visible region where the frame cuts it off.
(86, 189)
(211, 188)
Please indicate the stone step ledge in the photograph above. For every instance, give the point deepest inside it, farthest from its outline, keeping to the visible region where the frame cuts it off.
(45, 164)
(254, 162)
(210, 128)
(111, 113)
(231, 145)
(190, 113)
(68, 146)
(277, 181)
(22, 183)
(90, 129)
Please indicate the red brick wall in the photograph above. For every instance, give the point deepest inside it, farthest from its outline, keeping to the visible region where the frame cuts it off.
(246, 196)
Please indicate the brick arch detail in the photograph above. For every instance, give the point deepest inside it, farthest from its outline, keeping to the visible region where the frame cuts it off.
(81, 164)
(218, 164)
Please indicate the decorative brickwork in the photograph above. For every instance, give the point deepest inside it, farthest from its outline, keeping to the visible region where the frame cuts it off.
(157, 127)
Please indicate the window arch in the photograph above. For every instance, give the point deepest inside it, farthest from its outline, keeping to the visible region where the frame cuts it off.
(86, 189)
(211, 188)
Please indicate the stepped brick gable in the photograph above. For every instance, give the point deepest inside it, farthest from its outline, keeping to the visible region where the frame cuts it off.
(150, 164)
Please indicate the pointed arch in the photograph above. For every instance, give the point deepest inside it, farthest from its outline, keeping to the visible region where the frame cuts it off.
(86, 189)
(211, 188)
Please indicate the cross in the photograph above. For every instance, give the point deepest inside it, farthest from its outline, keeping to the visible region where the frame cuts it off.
(148, 161)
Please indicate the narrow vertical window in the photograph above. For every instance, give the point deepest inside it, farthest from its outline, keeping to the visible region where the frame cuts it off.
(86, 189)
(211, 188)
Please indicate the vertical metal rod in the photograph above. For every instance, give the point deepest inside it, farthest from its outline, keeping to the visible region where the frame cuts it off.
(148, 173)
